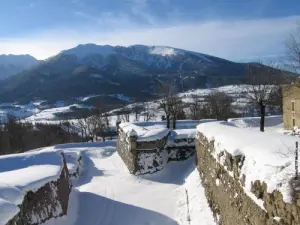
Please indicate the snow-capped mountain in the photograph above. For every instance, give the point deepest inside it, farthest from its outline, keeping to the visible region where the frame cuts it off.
(135, 71)
(12, 64)
(156, 56)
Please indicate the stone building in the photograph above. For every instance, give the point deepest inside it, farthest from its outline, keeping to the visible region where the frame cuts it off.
(291, 105)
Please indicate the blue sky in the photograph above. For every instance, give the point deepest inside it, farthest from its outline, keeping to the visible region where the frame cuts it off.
(232, 29)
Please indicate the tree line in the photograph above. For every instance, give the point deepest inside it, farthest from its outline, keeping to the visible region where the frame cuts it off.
(17, 136)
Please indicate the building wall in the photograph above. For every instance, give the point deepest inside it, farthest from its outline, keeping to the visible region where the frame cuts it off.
(291, 93)
(224, 190)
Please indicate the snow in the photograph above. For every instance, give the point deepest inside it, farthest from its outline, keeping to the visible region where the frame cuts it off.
(8, 211)
(272, 123)
(35, 168)
(199, 210)
(122, 97)
(184, 133)
(155, 130)
(182, 137)
(160, 50)
(108, 194)
(269, 156)
(49, 114)
(143, 133)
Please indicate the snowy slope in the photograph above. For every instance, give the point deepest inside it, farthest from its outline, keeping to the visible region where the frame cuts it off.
(162, 57)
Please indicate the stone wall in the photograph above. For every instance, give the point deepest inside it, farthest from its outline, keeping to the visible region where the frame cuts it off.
(224, 189)
(180, 153)
(143, 157)
(49, 201)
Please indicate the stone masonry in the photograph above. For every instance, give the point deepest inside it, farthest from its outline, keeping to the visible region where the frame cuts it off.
(49, 201)
(143, 157)
(225, 193)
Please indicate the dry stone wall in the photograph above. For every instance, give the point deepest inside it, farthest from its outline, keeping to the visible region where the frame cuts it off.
(143, 157)
(49, 201)
(224, 189)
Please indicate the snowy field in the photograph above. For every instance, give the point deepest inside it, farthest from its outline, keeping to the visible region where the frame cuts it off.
(33, 112)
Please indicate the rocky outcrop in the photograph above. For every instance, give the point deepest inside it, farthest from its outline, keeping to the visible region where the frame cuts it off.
(225, 191)
(49, 201)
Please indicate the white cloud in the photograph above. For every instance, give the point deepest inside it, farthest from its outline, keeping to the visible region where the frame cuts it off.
(233, 39)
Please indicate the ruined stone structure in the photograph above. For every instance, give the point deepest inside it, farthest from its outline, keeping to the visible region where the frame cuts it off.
(143, 157)
(224, 189)
(291, 105)
(49, 201)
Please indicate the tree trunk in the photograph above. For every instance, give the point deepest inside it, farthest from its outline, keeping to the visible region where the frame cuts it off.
(262, 116)
(174, 123)
(168, 121)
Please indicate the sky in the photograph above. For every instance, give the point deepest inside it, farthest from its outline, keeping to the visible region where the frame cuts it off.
(238, 30)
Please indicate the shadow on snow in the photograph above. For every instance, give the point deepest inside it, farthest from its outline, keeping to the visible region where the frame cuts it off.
(111, 212)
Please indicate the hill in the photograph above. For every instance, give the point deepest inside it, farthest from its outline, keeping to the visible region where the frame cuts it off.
(13, 64)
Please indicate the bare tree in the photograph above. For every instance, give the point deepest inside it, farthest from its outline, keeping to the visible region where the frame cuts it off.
(195, 108)
(218, 105)
(83, 125)
(261, 80)
(124, 114)
(147, 111)
(137, 109)
(167, 91)
(176, 108)
(293, 50)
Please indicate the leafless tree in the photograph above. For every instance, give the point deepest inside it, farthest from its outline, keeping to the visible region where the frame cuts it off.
(293, 50)
(124, 113)
(261, 81)
(167, 91)
(195, 108)
(147, 111)
(176, 108)
(137, 110)
(218, 105)
(83, 125)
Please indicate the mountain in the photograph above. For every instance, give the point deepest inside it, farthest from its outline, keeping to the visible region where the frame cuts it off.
(134, 71)
(12, 64)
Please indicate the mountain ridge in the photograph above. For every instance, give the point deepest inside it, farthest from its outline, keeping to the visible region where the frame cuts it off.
(11, 64)
(135, 71)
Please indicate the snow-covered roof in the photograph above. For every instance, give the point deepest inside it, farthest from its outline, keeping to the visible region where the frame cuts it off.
(269, 157)
(20, 173)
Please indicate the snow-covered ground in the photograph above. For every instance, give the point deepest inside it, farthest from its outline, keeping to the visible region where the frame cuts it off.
(272, 123)
(20, 173)
(269, 156)
(34, 113)
(107, 194)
